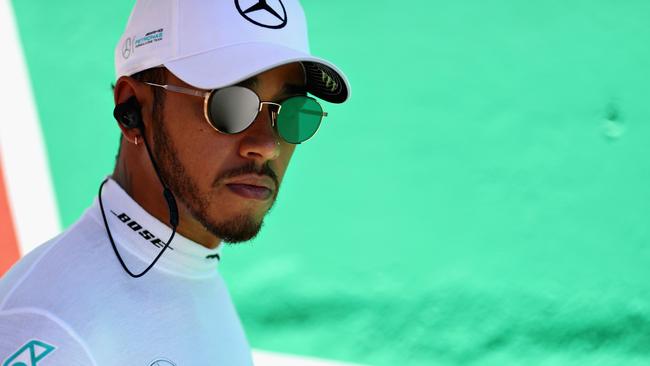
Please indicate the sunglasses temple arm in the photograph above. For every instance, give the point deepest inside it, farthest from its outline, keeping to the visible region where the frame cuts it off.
(180, 89)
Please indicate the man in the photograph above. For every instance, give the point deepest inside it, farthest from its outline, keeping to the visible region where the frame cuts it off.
(211, 99)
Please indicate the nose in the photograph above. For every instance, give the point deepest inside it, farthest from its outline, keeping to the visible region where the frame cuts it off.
(261, 142)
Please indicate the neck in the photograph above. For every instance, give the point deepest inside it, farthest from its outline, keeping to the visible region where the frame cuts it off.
(135, 174)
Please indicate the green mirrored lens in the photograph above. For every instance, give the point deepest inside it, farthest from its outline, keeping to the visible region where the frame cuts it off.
(299, 119)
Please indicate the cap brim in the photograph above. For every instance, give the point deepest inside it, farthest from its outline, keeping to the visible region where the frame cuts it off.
(230, 65)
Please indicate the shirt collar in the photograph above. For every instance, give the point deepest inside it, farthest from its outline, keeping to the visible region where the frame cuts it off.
(144, 236)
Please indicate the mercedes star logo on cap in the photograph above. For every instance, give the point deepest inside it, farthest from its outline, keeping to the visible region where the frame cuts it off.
(260, 12)
(127, 48)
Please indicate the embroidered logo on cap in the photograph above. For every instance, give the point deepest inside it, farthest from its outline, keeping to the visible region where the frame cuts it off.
(329, 81)
(127, 48)
(265, 13)
(149, 38)
(130, 44)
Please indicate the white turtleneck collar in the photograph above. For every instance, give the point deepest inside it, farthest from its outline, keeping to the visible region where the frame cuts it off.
(144, 236)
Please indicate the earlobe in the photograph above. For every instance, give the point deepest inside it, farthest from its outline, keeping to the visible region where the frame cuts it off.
(131, 136)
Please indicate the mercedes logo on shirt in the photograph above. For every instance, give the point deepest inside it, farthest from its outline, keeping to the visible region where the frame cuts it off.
(265, 13)
(162, 362)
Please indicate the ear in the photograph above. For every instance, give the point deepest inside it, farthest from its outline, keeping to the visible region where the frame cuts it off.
(125, 89)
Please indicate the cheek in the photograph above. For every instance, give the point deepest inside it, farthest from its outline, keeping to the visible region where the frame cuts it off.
(201, 150)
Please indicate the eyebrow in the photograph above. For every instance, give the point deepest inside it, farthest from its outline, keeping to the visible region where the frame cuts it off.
(287, 89)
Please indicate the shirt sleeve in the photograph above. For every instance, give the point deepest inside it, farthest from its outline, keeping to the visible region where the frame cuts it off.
(33, 336)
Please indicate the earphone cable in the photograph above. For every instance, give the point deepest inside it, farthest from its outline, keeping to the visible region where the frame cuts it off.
(173, 216)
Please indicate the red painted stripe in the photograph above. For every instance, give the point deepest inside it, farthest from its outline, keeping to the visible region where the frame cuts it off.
(9, 252)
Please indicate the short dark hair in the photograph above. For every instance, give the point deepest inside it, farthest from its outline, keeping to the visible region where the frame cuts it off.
(156, 75)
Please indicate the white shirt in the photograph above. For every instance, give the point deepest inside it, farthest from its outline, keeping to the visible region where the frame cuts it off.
(69, 301)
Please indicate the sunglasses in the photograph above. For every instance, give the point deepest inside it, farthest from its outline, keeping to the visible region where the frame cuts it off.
(233, 109)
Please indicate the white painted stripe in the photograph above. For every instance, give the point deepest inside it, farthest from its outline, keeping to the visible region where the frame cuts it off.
(264, 358)
(27, 174)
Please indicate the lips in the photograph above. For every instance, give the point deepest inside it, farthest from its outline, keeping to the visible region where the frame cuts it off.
(257, 180)
(250, 191)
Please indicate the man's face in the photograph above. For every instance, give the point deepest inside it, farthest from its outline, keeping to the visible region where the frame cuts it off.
(202, 166)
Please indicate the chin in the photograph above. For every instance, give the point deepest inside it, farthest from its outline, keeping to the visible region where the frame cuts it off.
(233, 228)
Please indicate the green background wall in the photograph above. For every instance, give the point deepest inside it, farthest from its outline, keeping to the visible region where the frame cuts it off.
(482, 199)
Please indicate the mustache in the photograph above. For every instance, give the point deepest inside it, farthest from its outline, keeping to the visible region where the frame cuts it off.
(250, 168)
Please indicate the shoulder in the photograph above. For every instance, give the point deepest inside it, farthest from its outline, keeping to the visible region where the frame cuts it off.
(22, 269)
(54, 268)
(28, 335)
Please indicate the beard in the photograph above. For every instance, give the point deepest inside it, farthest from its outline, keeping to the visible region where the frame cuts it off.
(235, 229)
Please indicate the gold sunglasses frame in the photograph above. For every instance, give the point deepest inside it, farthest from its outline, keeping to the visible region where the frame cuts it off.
(206, 99)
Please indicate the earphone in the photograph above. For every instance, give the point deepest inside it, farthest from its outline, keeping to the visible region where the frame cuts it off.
(129, 115)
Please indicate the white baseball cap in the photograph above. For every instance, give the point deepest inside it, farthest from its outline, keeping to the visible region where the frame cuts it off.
(211, 44)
